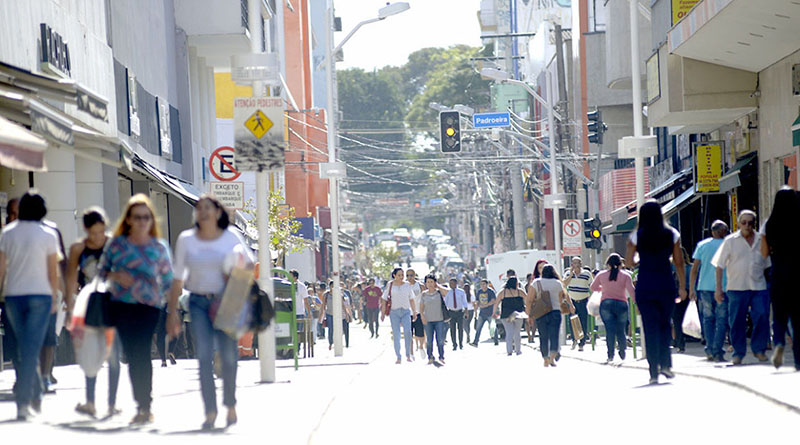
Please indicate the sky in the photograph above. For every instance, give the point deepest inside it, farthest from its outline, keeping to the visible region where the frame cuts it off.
(429, 23)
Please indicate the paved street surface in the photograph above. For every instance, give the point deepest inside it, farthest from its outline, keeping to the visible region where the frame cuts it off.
(479, 395)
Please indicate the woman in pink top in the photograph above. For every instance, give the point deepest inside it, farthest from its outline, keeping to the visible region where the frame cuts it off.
(613, 284)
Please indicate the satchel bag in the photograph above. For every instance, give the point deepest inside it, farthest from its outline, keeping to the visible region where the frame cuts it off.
(565, 309)
(542, 306)
(388, 308)
(97, 312)
(446, 314)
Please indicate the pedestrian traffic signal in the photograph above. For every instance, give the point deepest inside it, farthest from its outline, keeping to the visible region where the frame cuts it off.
(450, 131)
(596, 127)
(593, 232)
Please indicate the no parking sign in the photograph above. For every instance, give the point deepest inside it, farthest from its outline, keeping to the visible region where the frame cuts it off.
(221, 164)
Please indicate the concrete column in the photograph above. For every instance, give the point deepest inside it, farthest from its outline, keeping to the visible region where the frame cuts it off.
(57, 186)
(519, 218)
(212, 110)
(88, 184)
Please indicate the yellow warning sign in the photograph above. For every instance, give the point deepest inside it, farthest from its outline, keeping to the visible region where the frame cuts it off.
(258, 124)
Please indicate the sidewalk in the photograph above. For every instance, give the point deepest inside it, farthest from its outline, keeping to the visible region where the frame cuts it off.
(304, 396)
(780, 386)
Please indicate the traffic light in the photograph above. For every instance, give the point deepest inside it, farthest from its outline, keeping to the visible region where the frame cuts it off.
(592, 231)
(450, 131)
(596, 127)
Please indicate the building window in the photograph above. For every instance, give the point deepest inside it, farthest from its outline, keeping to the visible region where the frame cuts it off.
(263, 34)
(790, 171)
(245, 15)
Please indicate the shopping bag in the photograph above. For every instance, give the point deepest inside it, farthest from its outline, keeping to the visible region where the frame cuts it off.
(577, 329)
(593, 306)
(691, 321)
(90, 349)
(79, 308)
(235, 309)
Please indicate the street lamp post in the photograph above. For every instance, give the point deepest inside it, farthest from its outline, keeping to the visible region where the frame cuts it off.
(334, 172)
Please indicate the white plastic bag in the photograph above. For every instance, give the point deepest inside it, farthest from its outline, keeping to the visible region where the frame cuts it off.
(691, 321)
(593, 306)
(90, 349)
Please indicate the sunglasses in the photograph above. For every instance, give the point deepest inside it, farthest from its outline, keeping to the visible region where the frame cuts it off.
(748, 222)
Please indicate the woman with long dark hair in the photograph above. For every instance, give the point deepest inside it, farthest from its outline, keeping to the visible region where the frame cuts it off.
(204, 258)
(398, 296)
(512, 300)
(612, 283)
(655, 242)
(550, 323)
(780, 241)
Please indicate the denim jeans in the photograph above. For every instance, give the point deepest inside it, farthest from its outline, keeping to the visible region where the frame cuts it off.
(345, 330)
(136, 324)
(715, 321)
(206, 337)
(615, 316)
(29, 316)
(373, 318)
(481, 321)
(439, 328)
(583, 315)
(656, 322)
(401, 317)
(113, 375)
(513, 335)
(549, 325)
(757, 301)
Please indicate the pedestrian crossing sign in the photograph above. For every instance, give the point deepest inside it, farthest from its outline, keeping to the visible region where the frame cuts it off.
(258, 124)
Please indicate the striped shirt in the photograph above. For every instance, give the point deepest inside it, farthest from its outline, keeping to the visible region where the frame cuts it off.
(578, 287)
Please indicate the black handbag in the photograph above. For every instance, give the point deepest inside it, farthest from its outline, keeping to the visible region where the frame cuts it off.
(97, 313)
(446, 315)
(262, 309)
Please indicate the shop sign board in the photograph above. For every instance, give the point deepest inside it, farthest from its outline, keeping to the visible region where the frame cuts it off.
(258, 133)
(230, 194)
(680, 8)
(707, 166)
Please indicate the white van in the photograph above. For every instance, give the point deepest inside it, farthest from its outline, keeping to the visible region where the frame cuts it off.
(522, 261)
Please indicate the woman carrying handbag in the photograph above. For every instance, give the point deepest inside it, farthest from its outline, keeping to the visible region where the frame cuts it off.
(512, 314)
(398, 301)
(432, 311)
(549, 287)
(204, 257)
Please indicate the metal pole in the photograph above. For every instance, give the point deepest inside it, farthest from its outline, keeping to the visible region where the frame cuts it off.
(330, 66)
(266, 339)
(636, 84)
(516, 199)
(551, 124)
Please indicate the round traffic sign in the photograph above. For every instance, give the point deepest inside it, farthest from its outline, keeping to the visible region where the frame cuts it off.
(220, 164)
(572, 227)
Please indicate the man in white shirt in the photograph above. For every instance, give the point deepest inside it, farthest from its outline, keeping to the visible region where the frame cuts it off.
(739, 258)
(456, 301)
(302, 303)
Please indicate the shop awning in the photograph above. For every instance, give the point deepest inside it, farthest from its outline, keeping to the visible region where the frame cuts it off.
(346, 242)
(730, 180)
(668, 209)
(21, 149)
(62, 90)
(181, 189)
(622, 216)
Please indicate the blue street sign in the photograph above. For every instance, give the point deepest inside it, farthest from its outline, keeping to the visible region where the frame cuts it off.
(436, 201)
(491, 120)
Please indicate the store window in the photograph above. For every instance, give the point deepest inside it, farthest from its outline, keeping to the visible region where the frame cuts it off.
(790, 171)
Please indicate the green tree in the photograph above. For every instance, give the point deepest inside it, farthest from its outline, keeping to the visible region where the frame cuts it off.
(282, 225)
(382, 260)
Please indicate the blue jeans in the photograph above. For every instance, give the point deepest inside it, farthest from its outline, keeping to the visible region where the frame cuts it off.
(29, 316)
(715, 321)
(549, 325)
(402, 317)
(583, 315)
(615, 316)
(345, 330)
(205, 337)
(439, 328)
(481, 321)
(757, 301)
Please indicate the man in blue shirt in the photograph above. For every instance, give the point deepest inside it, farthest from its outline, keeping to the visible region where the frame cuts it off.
(486, 299)
(714, 315)
(456, 301)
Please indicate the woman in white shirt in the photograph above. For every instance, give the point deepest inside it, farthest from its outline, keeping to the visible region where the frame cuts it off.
(550, 323)
(202, 265)
(416, 320)
(398, 298)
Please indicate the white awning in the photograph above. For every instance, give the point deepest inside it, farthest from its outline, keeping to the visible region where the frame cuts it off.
(21, 149)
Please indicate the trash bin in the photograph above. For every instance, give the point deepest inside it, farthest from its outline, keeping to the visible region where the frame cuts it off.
(284, 311)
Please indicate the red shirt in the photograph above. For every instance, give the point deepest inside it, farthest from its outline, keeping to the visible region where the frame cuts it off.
(373, 296)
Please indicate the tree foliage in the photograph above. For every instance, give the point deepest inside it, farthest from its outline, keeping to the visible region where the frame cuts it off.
(381, 260)
(282, 225)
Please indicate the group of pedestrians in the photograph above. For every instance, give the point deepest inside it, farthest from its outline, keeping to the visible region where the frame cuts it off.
(145, 281)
